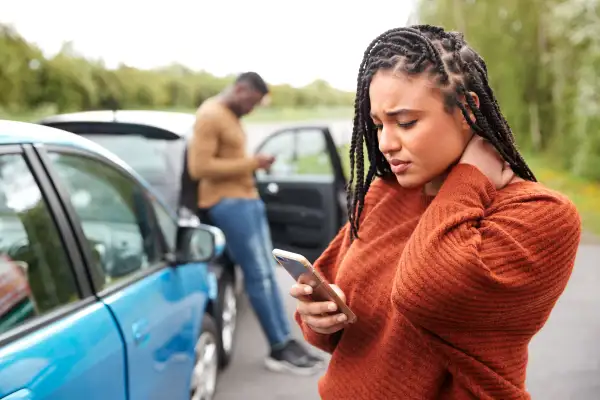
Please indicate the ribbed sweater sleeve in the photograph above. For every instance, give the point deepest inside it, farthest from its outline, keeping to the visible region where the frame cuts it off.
(465, 267)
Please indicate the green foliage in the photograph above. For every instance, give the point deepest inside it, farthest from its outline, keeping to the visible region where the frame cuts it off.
(30, 82)
(543, 57)
(583, 192)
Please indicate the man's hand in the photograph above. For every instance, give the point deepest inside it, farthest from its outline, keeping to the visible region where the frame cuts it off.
(264, 161)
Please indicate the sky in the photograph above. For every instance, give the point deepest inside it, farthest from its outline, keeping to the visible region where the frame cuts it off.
(286, 42)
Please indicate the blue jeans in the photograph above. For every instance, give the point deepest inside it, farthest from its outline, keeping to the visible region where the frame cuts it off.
(244, 223)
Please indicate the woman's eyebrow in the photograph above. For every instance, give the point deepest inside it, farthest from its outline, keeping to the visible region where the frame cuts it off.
(397, 112)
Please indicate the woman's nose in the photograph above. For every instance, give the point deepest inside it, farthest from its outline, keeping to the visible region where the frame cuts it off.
(389, 141)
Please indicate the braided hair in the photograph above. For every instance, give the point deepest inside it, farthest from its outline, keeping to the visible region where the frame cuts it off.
(457, 69)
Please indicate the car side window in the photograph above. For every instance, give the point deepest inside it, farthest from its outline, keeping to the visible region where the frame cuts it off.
(35, 273)
(298, 152)
(167, 224)
(115, 216)
(282, 146)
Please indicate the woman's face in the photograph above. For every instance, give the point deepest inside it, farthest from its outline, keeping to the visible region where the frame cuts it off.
(417, 136)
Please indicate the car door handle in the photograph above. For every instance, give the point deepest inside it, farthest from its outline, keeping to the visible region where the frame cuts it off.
(140, 331)
(23, 394)
(273, 188)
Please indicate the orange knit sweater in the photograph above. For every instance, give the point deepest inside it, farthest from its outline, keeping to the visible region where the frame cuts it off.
(448, 291)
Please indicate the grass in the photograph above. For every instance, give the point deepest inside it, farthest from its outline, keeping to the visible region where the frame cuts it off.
(583, 192)
(259, 115)
(28, 116)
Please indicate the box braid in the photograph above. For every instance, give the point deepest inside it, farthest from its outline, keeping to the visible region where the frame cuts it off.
(458, 70)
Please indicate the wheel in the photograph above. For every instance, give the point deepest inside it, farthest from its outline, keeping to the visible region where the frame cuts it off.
(226, 312)
(206, 366)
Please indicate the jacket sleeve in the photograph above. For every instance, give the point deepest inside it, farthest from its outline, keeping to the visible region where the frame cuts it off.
(202, 154)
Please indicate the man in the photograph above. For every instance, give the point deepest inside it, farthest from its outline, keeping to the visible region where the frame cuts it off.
(227, 192)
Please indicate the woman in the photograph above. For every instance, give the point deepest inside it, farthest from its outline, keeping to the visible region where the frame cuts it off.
(453, 256)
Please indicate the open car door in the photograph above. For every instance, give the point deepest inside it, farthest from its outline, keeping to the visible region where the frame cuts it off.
(304, 191)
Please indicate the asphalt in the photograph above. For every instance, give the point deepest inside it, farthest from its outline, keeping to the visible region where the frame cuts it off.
(565, 356)
(564, 359)
(246, 378)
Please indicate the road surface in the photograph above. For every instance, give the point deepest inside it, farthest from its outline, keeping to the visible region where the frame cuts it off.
(564, 357)
(246, 379)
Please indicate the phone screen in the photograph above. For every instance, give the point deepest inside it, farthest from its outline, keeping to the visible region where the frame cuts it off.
(304, 275)
(295, 268)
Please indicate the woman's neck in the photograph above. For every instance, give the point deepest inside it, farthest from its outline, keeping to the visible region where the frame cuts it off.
(432, 188)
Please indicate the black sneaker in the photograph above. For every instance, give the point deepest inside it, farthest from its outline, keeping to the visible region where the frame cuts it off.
(288, 359)
(302, 351)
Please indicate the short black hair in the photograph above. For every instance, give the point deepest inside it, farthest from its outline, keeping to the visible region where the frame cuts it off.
(254, 80)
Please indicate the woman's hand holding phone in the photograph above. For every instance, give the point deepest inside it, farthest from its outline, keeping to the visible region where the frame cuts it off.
(322, 317)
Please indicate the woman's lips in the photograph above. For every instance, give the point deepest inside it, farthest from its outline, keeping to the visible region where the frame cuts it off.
(399, 166)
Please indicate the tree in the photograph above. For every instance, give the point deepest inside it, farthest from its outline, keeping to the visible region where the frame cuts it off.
(543, 57)
(70, 82)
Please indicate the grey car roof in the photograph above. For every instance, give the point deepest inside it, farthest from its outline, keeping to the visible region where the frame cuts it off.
(180, 123)
(177, 122)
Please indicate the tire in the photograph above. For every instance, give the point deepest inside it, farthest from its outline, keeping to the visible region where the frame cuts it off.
(205, 374)
(226, 317)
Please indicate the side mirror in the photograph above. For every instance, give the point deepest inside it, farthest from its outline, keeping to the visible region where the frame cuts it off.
(219, 238)
(198, 243)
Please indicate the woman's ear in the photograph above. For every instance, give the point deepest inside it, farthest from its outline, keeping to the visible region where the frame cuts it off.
(475, 99)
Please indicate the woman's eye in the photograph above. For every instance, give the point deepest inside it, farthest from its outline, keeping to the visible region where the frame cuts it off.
(407, 124)
(403, 125)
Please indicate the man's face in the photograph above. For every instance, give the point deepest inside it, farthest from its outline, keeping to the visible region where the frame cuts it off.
(246, 98)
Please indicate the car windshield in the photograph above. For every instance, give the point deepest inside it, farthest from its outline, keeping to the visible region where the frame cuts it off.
(145, 155)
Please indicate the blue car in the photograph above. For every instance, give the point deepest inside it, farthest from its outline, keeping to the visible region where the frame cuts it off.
(104, 292)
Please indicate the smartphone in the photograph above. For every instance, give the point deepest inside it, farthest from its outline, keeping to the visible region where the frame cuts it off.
(303, 272)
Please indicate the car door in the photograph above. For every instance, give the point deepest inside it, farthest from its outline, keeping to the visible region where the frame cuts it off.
(57, 341)
(304, 191)
(158, 307)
